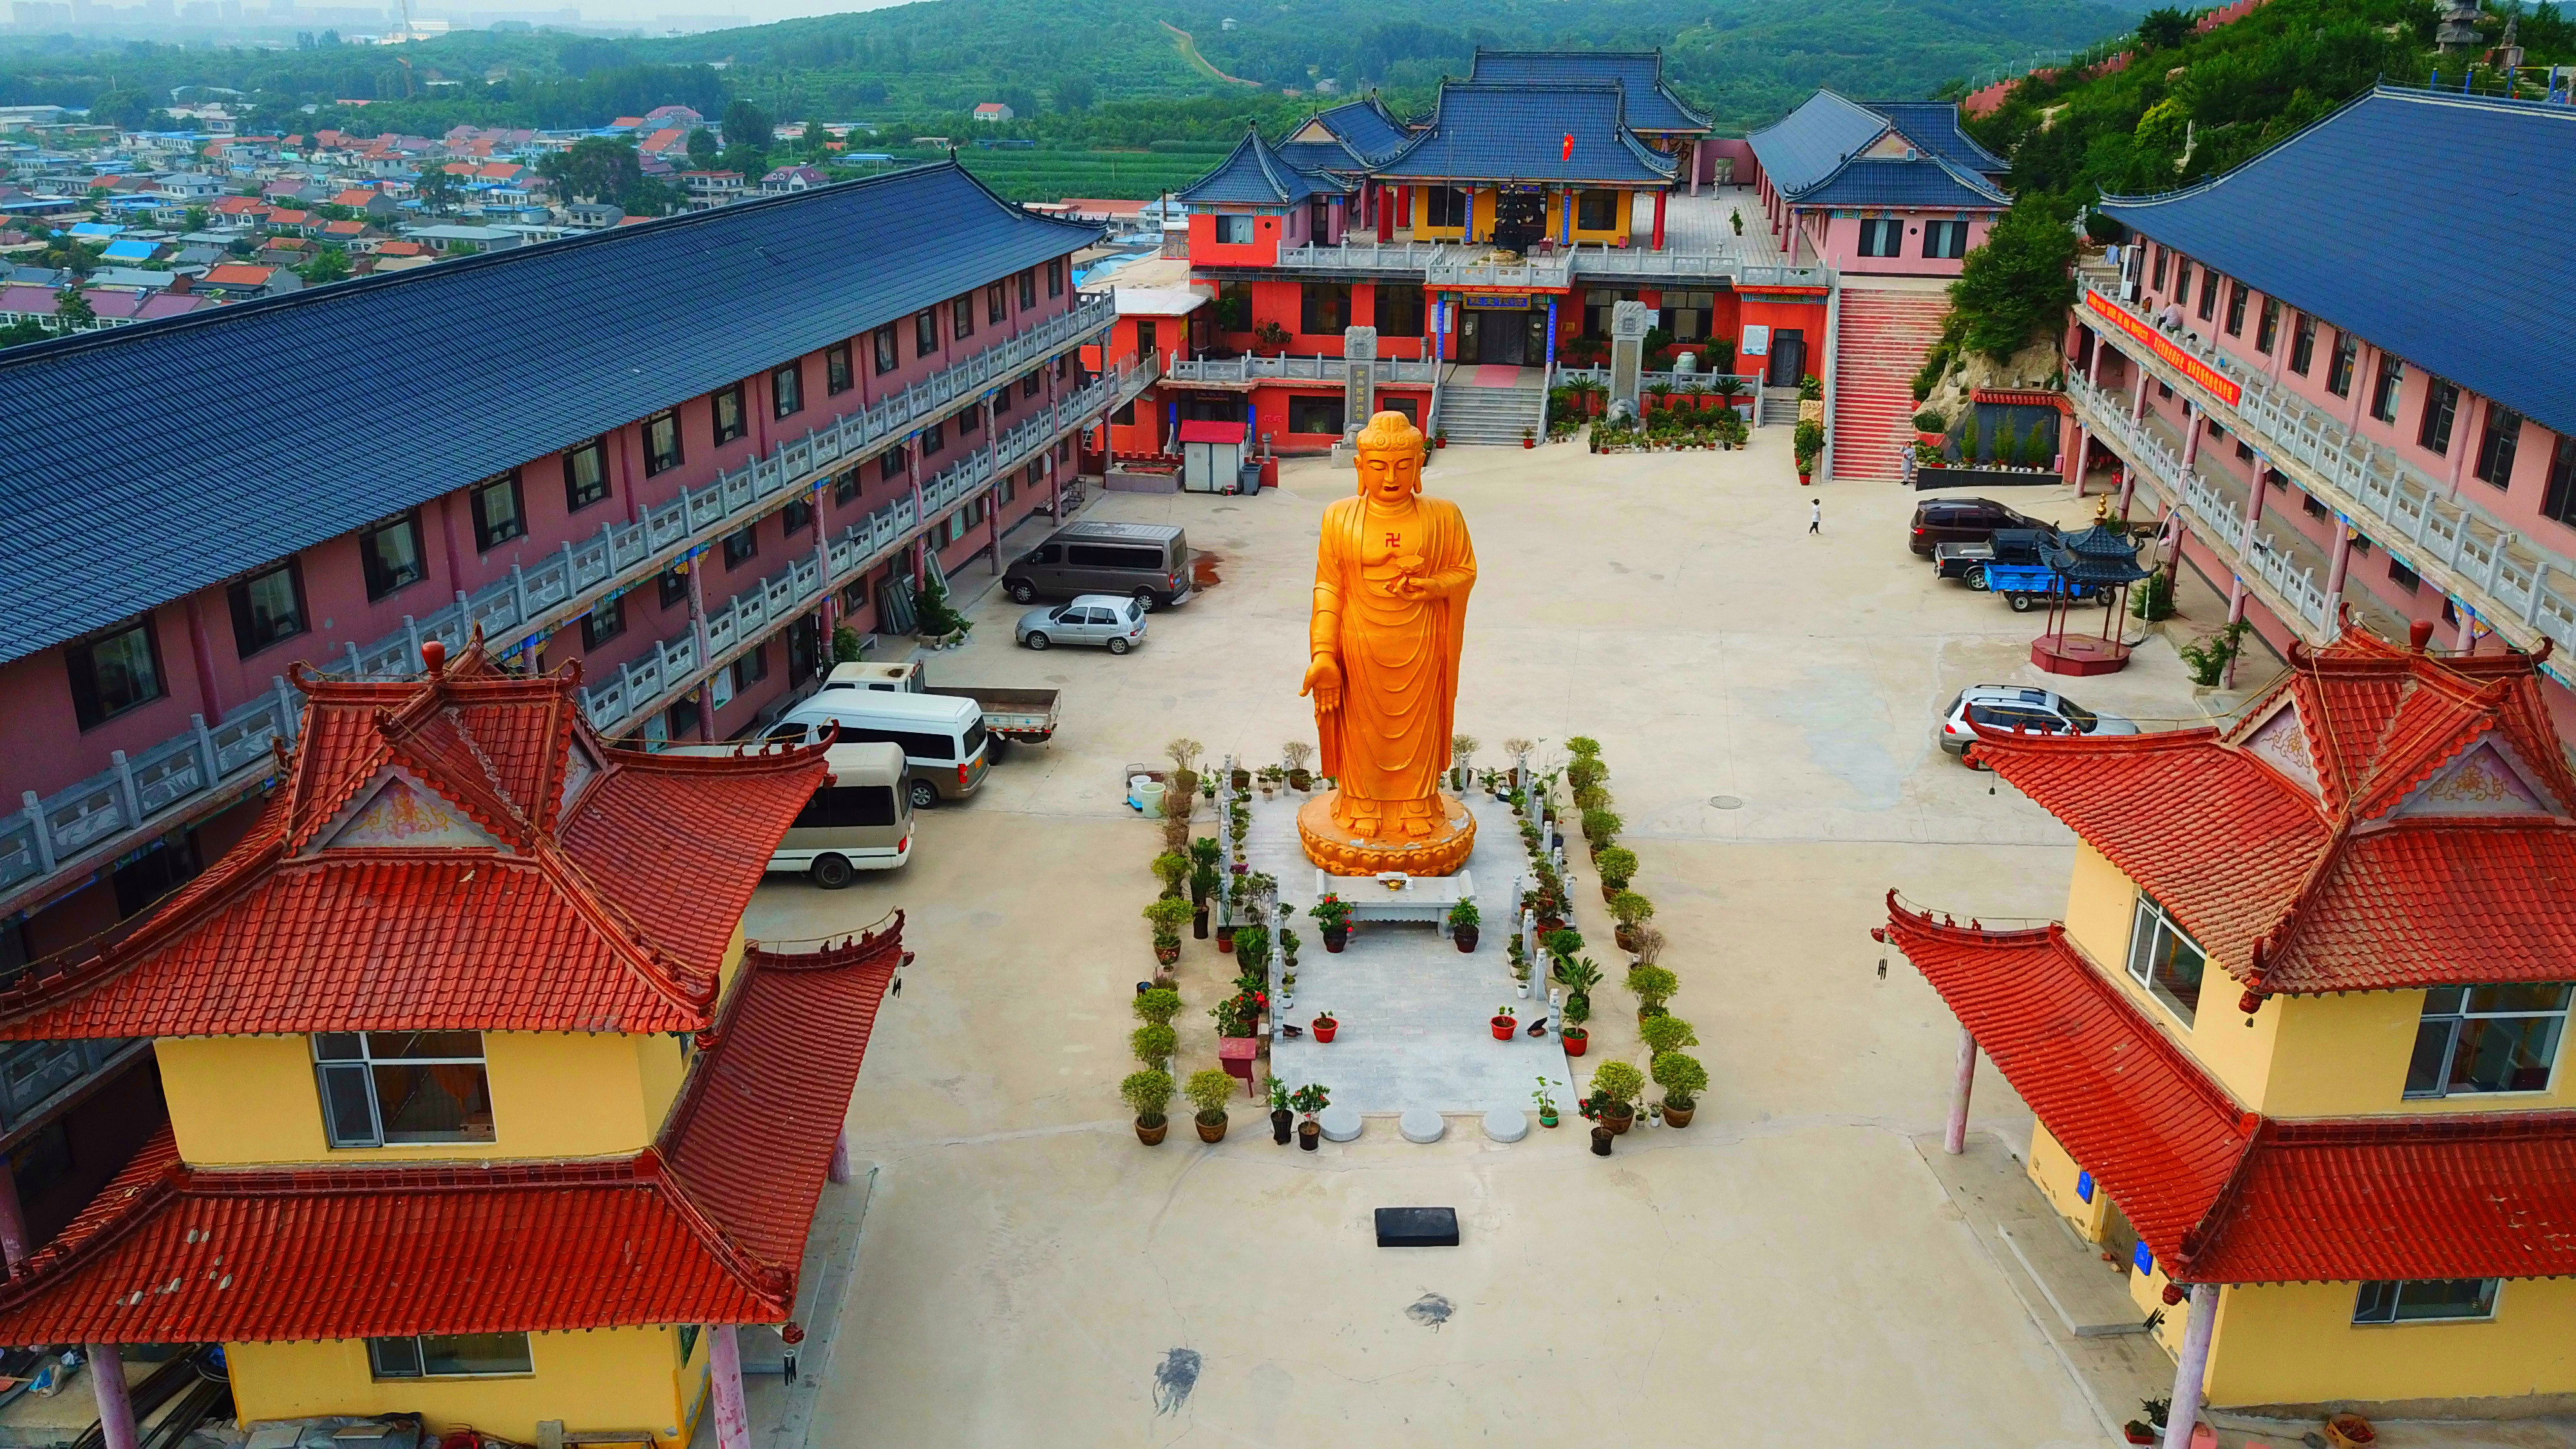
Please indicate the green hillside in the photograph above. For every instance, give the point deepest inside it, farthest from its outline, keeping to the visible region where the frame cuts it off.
(2199, 104)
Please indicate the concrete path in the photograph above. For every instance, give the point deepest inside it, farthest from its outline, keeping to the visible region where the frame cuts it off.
(1785, 1271)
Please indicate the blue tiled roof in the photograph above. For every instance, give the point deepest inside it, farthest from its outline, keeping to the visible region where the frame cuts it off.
(2459, 265)
(1934, 126)
(144, 462)
(1367, 128)
(1253, 174)
(1652, 106)
(1331, 156)
(1804, 146)
(1517, 133)
(1926, 182)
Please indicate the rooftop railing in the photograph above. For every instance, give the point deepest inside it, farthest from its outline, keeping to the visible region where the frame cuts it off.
(1295, 369)
(148, 790)
(1451, 264)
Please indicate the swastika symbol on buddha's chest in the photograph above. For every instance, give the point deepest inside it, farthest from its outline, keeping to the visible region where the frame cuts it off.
(1394, 540)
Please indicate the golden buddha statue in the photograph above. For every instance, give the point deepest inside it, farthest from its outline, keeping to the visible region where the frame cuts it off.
(1392, 571)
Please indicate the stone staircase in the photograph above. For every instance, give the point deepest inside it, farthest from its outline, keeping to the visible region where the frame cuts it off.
(1779, 405)
(1491, 416)
(1880, 343)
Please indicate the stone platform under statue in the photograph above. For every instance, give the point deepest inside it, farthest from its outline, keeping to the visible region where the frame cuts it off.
(1340, 852)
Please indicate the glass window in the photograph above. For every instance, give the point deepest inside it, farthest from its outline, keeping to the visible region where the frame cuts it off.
(1686, 314)
(787, 390)
(892, 464)
(585, 474)
(934, 440)
(969, 419)
(925, 332)
(605, 621)
(113, 673)
(1028, 289)
(389, 554)
(457, 1355)
(2426, 1300)
(1946, 239)
(742, 545)
(1055, 277)
(2560, 502)
(2208, 295)
(2496, 444)
(1315, 415)
(382, 1088)
(2269, 328)
(1882, 237)
(997, 304)
(497, 518)
(845, 487)
(2404, 577)
(1323, 307)
(2347, 355)
(961, 315)
(2303, 344)
(1596, 210)
(798, 516)
(267, 607)
(837, 376)
(2236, 309)
(2164, 960)
(1233, 230)
(2162, 257)
(661, 441)
(2182, 285)
(751, 668)
(1449, 205)
(1031, 381)
(2385, 386)
(2441, 410)
(887, 354)
(731, 422)
(2487, 1039)
(1399, 309)
(674, 583)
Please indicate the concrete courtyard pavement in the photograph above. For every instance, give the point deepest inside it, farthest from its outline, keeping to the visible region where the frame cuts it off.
(1785, 1271)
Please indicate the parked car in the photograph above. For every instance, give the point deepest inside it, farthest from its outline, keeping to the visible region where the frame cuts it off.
(1148, 562)
(1963, 520)
(946, 748)
(1966, 561)
(2012, 706)
(1111, 620)
(1023, 716)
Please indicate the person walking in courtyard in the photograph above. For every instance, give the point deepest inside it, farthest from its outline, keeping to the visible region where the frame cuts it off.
(1816, 516)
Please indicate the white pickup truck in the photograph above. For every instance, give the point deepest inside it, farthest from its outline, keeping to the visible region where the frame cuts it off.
(1024, 716)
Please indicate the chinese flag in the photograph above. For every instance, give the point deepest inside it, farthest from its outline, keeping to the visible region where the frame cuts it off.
(1568, 153)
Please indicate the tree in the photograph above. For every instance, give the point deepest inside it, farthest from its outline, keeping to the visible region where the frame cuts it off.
(437, 187)
(703, 149)
(595, 169)
(1074, 93)
(127, 110)
(650, 197)
(2017, 286)
(2163, 29)
(74, 309)
(198, 219)
(329, 264)
(748, 125)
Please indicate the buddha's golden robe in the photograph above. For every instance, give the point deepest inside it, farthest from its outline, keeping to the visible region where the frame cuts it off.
(1391, 586)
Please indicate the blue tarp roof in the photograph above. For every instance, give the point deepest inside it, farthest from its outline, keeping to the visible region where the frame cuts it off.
(239, 461)
(95, 229)
(1255, 175)
(2324, 222)
(128, 251)
(1517, 133)
(1652, 106)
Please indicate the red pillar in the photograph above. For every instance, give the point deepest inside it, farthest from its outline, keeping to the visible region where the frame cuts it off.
(1385, 212)
(1659, 220)
(115, 1409)
(839, 1171)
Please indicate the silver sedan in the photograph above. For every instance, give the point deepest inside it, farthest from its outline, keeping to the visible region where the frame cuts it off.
(1111, 620)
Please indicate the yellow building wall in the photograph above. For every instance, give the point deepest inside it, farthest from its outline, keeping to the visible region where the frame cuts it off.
(612, 1378)
(1423, 230)
(255, 1099)
(2296, 1343)
(2054, 1172)
(2101, 904)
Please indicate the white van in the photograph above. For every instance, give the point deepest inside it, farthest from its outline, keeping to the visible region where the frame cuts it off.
(942, 736)
(860, 820)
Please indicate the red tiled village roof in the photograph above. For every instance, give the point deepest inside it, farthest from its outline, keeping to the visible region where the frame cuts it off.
(455, 852)
(2375, 796)
(2224, 1195)
(707, 1225)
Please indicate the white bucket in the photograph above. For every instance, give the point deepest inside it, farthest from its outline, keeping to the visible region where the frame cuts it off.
(1148, 795)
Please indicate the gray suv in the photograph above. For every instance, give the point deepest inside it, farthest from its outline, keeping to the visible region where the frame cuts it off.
(1147, 562)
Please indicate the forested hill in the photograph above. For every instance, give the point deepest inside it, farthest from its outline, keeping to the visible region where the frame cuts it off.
(2193, 105)
(1066, 65)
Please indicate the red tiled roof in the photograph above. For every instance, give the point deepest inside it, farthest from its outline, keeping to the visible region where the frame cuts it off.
(2377, 795)
(235, 274)
(2223, 1195)
(708, 1225)
(422, 868)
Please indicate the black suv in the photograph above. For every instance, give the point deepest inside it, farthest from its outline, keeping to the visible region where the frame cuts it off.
(1962, 520)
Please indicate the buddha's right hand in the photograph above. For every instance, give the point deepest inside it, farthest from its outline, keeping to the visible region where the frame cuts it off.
(1324, 681)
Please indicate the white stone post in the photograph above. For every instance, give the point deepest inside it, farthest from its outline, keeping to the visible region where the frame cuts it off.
(1954, 1139)
(2193, 1367)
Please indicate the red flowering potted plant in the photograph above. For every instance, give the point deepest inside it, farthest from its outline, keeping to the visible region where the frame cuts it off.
(1333, 914)
(1309, 1100)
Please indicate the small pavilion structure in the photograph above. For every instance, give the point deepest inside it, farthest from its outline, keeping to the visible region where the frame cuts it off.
(2098, 563)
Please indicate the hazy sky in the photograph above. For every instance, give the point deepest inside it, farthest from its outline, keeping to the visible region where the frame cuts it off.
(645, 12)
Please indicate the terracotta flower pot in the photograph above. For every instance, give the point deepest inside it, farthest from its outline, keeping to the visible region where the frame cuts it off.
(1608, 890)
(1503, 1027)
(1208, 1133)
(1166, 955)
(1618, 1117)
(1308, 1135)
(1626, 936)
(1323, 1027)
(1225, 939)
(1153, 1136)
(1576, 1039)
(1678, 1116)
(1465, 936)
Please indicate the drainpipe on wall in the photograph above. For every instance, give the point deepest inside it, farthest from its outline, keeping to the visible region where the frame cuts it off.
(1833, 339)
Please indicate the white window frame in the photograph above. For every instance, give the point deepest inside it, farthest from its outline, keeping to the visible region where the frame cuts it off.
(2151, 914)
(1234, 229)
(377, 1348)
(2494, 1296)
(362, 1066)
(2459, 1017)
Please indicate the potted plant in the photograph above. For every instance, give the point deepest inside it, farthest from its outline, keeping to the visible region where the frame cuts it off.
(1323, 1026)
(1157, 1006)
(1297, 753)
(1546, 1104)
(2156, 1409)
(1208, 1091)
(1238, 1017)
(1462, 754)
(1667, 1033)
(1930, 427)
(1272, 777)
(1602, 827)
(1252, 951)
(1166, 914)
(1630, 910)
(1270, 339)
(1440, 438)
(1334, 915)
(1504, 1023)
(1184, 754)
(1462, 925)
(1807, 442)
(1683, 1079)
(1616, 1086)
(1309, 1100)
(2347, 1431)
(1147, 1093)
(2138, 1431)
(1575, 1038)
(1617, 865)
(1280, 1117)
(1528, 438)
(1153, 1043)
(1654, 986)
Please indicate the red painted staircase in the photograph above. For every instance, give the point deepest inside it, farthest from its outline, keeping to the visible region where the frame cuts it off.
(1880, 342)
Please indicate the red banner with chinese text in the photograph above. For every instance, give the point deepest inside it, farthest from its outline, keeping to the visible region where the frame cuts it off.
(2207, 377)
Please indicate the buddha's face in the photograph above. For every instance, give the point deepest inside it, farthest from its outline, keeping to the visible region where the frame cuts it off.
(1390, 475)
